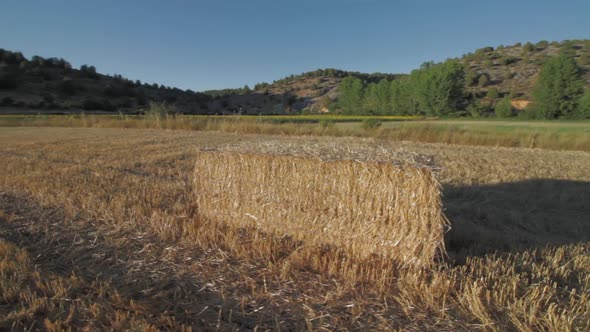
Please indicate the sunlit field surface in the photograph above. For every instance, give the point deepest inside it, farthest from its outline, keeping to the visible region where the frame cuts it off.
(99, 229)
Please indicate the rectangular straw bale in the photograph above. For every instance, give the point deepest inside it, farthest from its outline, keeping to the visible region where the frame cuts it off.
(366, 207)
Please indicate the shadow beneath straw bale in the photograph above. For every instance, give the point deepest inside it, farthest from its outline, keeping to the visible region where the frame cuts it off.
(510, 217)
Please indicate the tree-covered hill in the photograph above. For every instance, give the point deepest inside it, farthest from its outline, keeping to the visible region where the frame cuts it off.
(51, 84)
(514, 69)
(543, 80)
(489, 75)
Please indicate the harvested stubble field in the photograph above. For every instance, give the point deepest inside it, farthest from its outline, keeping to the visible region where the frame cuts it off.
(552, 135)
(99, 229)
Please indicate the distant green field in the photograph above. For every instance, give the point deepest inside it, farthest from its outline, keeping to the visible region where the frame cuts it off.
(496, 125)
(272, 118)
(554, 135)
(315, 117)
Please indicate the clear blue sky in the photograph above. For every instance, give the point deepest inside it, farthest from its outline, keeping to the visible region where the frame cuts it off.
(203, 45)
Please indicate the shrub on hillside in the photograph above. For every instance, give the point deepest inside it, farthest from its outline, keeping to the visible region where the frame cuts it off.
(503, 108)
(470, 77)
(89, 71)
(507, 60)
(68, 88)
(48, 74)
(542, 44)
(476, 109)
(568, 48)
(141, 99)
(118, 90)
(7, 101)
(38, 61)
(486, 49)
(92, 104)
(483, 80)
(584, 59)
(528, 47)
(11, 58)
(469, 57)
(493, 93)
(9, 80)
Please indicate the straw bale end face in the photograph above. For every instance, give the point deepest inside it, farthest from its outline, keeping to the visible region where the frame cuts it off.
(364, 207)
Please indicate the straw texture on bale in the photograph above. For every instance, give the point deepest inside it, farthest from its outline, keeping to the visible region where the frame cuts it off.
(365, 207)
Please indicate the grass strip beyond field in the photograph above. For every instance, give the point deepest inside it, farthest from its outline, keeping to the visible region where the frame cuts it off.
(573, 136)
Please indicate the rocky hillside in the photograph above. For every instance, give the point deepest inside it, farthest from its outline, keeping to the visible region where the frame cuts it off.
(311, 92)
(52, 85)
(513, 70)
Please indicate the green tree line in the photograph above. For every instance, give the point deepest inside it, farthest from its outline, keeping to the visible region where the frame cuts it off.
(433, 90)
(438, 90)
(559, 91)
